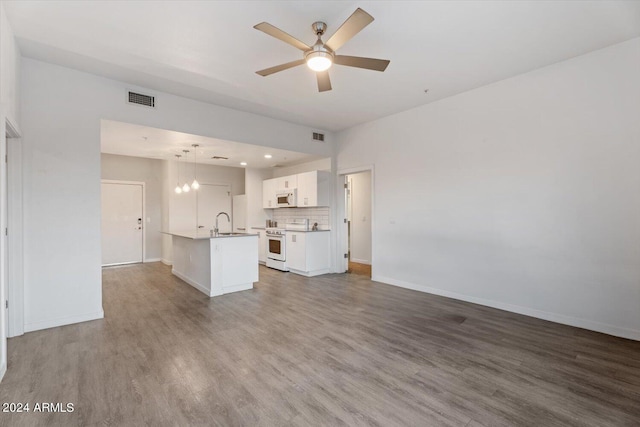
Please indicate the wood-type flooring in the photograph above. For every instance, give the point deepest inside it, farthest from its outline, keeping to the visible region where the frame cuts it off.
(330, 350)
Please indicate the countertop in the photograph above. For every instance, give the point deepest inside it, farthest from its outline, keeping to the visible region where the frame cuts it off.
(297, 231)
(204, 234)
(306, 231)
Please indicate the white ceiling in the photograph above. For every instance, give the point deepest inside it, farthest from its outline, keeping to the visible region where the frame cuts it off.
(209, 50)
(140, 141)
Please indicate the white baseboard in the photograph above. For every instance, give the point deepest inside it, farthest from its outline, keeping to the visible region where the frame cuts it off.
(3, 370)
(361, 261)
(192, 282)
(166, 262)
(310, 273)
(237, 288)
(632, 334)
(62, 321)
(153, 260)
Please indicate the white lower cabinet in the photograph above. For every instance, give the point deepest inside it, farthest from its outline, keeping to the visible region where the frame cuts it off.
(308, 253)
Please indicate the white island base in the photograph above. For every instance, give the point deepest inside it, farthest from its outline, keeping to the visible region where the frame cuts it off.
(216, 265)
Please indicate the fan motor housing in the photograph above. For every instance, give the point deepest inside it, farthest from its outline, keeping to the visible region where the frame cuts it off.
(319, 28)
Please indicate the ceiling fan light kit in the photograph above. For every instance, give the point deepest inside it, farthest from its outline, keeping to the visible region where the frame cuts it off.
(321, 56)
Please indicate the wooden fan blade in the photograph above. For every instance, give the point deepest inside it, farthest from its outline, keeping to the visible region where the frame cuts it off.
(352, 26)
(360, 62)
(324, 83)
(276, 32)
(281, 67)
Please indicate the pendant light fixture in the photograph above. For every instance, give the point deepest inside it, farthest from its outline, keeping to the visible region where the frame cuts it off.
(178, 190)
(195, 184)
(185, 187)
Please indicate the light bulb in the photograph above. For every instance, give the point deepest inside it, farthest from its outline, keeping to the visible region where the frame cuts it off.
(195, 184)
(178, 189)
(186, 188)
(319, 61)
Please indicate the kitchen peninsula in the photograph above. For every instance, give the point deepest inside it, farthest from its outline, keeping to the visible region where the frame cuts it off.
(215, 264)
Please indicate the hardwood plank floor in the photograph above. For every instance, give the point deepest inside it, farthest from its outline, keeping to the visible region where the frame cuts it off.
(329, 350)
(357, 268)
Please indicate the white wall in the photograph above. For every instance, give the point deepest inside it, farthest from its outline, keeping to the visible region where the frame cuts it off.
(61, 114)
(149, 171)
(9, 70)
(183, 206)
(315, 165)
(521, 195)
(360, 245)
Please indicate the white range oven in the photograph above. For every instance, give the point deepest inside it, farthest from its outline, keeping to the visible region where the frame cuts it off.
(276, 248)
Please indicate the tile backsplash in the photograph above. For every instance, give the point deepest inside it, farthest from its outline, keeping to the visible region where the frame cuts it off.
(319, 215)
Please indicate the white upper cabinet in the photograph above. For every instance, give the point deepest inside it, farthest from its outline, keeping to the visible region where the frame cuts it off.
(287, 182)
(269, 191)
(313, 189)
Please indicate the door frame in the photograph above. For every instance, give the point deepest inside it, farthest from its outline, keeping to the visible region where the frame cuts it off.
(342, 240)
(14, 245)
(8, 130)
(144, 218)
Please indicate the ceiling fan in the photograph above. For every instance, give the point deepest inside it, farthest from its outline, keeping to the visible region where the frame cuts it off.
(321, 56)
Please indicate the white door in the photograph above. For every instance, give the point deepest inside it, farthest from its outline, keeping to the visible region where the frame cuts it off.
(213, 199)
(122, 222)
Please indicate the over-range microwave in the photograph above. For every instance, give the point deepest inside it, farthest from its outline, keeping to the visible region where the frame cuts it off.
(287, 198)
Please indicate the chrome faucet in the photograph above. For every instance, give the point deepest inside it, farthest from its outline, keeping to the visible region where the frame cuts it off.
(215, 230)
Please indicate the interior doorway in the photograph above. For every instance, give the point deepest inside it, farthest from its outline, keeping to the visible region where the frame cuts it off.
(122, 222)
(358, 210)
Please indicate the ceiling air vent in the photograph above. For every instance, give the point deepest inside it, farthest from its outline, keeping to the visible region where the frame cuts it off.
(140, 99)
(318, 136)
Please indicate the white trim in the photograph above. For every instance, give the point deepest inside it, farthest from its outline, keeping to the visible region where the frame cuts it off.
(115, 264)
(310, 273)
(237, 288)
(153, 260)
(3, 370)
(341, 241)
(191, 282)
(144, 215)
(62, 321)
(633, 334)
(166, 262)
(15, 244)
(361, 261)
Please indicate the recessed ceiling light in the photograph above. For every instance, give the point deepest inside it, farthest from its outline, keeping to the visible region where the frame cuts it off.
(268, 156)
(243, 163)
